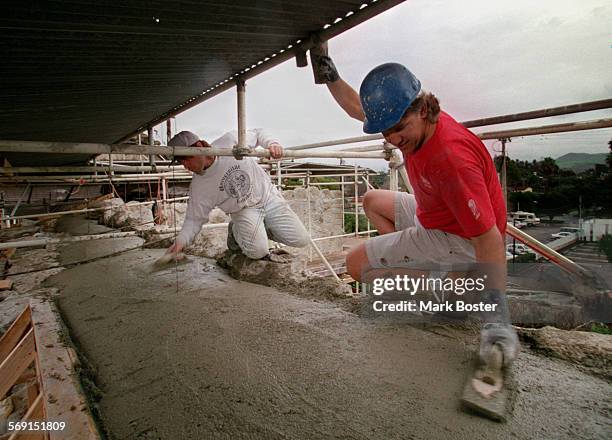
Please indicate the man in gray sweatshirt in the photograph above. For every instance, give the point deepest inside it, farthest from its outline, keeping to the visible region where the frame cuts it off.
(242, 189)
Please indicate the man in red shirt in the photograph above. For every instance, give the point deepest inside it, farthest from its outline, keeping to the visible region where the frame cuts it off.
(457, 213)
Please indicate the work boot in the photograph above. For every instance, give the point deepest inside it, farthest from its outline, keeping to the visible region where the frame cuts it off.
(502, 335)
(278, 256)
(232, 244)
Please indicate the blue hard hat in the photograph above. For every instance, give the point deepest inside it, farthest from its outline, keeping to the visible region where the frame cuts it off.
(386, 93)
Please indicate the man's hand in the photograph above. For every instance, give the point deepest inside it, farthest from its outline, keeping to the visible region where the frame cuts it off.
(276, 151)
(323, 67)
(175, 249)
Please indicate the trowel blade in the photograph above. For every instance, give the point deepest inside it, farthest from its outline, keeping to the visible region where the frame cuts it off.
(168, 261)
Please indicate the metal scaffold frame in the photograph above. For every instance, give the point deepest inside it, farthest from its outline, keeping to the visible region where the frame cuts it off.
(116, 172)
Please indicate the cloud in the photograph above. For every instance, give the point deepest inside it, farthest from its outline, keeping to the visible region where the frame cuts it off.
(481, 58)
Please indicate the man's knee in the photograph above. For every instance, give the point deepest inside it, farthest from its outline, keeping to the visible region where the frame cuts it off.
(300, 240)
(356, 261)
(369, 200)
(294, 235)
(255, 252)
(379, 201)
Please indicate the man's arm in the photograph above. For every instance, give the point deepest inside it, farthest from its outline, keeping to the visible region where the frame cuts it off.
(195, 216)
(466, 195)
(325, 72)
(347, 98)
(489, 249)
(268, 142)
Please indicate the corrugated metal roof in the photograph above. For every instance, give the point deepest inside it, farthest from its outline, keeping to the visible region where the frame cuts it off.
(79, 71)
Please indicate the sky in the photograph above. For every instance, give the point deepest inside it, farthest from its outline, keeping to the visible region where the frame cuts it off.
(480, 58)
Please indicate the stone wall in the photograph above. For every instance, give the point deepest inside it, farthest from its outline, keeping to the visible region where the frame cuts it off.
(325, 219)
(325, 214)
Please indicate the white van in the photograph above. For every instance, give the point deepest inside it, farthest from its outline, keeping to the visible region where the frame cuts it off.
(528, 218)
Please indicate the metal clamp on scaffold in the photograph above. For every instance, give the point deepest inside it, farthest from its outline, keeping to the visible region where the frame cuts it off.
(240, 152)
(391, 155)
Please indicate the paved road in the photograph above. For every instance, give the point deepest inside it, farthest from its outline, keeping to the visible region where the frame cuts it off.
(541, 232)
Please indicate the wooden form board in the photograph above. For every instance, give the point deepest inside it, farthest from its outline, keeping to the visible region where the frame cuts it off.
(63, 399)
(34, 337)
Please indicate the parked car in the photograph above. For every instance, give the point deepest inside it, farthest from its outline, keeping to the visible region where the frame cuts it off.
(520, 225)
(518, 249)
(562, 234)
(528, 218)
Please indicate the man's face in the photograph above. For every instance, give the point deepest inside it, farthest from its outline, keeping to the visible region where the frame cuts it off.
(196, 164)
(408, 133)
(193, 163)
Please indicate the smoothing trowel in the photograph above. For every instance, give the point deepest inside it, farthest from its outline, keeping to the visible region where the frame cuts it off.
(169, 260)
(485, 392)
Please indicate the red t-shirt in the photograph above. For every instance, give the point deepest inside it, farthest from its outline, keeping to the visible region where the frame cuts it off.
(455, 183)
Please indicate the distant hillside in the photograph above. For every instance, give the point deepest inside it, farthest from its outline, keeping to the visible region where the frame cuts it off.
(578, 162)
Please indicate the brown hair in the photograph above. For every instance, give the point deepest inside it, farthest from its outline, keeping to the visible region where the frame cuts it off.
(432, 105)
(204, 144)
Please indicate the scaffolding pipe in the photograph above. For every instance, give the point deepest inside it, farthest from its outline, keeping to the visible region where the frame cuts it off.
(27, 188)
(393, 183)
(329, 266)
(548, 129)
(544, 113)
(371, 147)
(350, 140)
(513, 117)
(368, 185)
(330, 183)
(92, 180)
(528, 131)
(241, 98)
(300, 175)
(503, 173)
(339, 168)
(352, 234)
(404, 175)
(84, 210)
(151, 143)
(84, 169)
(94, 177)
(342, 196)
(309, 212)
(74, 180)
(86, 148)
(356, 182)
(89, 180)
(366, 181)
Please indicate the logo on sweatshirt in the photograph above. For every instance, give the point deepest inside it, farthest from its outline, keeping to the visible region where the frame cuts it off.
(236, 183)
(474, 208)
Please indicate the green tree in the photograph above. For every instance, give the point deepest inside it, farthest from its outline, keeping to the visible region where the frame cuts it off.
(605, 245)
(553, 203)
(349, 223)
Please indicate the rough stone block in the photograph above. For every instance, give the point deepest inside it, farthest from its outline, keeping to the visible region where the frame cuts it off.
(588, 349)
(290, 277)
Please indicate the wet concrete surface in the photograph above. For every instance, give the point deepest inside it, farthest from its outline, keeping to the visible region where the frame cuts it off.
(77, 225)
(190, 353)
(70, 253)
